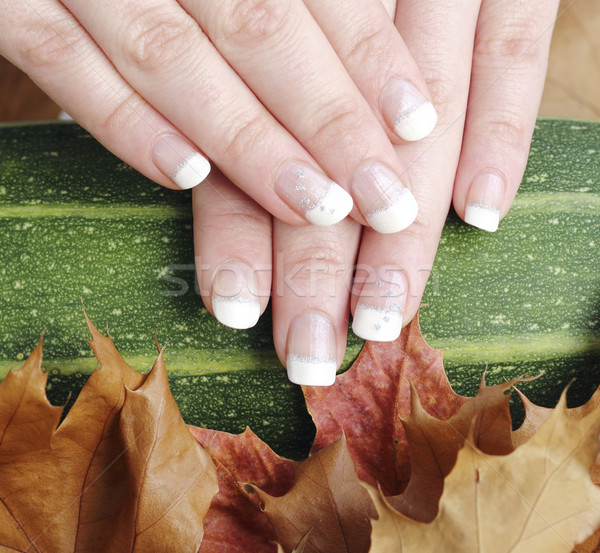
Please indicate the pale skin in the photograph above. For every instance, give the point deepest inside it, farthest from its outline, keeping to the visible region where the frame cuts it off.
(274, 92)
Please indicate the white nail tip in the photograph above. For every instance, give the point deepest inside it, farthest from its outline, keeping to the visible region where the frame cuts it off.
(377, 324)
(308, 371)
(483, 217)
(236, 312)
(331, 208)
(416, 124)
(191, 172)
(395, 216)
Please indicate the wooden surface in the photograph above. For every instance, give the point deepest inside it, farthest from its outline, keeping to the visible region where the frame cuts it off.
(573, 83)
(572, 87)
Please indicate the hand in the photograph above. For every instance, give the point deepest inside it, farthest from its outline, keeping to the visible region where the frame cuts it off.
(275, 92)
(485, 67)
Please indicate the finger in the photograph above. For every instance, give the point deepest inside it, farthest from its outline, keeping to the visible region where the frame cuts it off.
(232, 245)
(509, 67)
(283, 56)
(312, 275)
(377, 59)
(45, 41)
(403, 262)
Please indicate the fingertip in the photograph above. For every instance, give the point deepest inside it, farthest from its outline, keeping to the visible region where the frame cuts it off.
(485, 199)
(395, 216)
(483, 217)
(234, 295)
(309, 193)
(331, 208)
(387, 205)
(379, 311)
(311, 350)
(176, 158)
(407, 112)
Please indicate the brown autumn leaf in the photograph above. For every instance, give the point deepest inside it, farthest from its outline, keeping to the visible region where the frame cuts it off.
(235, 523)
(535, 415)
(368, 402)
(434, 445)
(228, 522)
(537, 498)
(120, 473)
(327, 510)
(378, 387)
(311, 517)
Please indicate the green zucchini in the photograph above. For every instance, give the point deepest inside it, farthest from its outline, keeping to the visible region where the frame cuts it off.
(76, 223)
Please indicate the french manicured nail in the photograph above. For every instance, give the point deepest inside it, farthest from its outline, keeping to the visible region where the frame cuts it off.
(180, 161)
(309, 192)
(484, 200)
(234, 297)
(378, 313)
(407, 111)
(311, 351)
(386, 204)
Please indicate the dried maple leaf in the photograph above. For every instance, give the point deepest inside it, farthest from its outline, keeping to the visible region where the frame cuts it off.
(235, 523)
(120, 473)
(535, 415)
(327, 510)
(434, 444)
(516, 502)
(369, 400)
(365, 403)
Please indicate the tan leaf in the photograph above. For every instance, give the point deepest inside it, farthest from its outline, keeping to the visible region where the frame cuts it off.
(26, 417)
(512, 503)
(327, 510)
(121, 472)
(535, 415)
(434, 444)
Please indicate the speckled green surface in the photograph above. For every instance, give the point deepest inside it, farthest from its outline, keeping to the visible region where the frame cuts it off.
(527, 298)
(76, 223)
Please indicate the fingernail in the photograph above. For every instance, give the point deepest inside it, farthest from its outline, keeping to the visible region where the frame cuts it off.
(386, 204)
(378, 313)
(234, 296)
(484, 200)
(309, 192)
(311, 351)
(407, 111)
(180, 161)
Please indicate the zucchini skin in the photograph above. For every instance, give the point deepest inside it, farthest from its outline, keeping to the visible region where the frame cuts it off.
(78, 224)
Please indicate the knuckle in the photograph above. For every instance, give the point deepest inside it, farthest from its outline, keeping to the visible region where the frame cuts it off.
(125, 114)
(158, 40)
(252, 22)
(442, 89)
(320, 262)
(513, 40)
(369, 45)
(47, 46)
(338, 124)
(236, 223)
(509, 128)
(245, 138)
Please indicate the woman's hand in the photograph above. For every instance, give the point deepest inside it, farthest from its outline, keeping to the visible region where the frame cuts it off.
(485, 66)
(275, 92)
